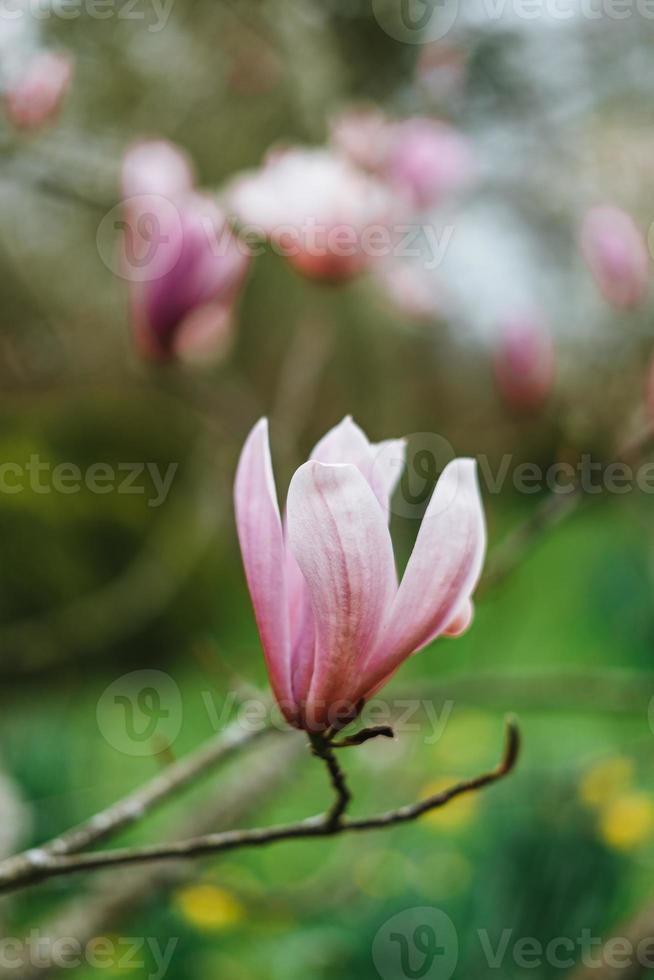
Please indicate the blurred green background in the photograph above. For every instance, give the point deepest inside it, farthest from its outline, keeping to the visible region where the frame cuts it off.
(95, 587)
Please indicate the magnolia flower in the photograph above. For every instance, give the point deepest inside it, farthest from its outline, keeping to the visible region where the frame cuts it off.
(37, 90)
(362, 134)
(422, 160)
(616, 254)
(184, 263)
(156, 167)
(441, 70)
(413, 290)
(524, 362)
(317, 209)
(427, 160)
(333, 621)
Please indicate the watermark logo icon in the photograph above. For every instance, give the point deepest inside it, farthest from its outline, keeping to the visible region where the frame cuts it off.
(416, 21)
(141, 239)
(416, 944)
(140, 714)
(413, 473)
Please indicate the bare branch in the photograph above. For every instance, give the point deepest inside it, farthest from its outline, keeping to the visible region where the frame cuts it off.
(112, 897)
(133, 807)
(45, 866)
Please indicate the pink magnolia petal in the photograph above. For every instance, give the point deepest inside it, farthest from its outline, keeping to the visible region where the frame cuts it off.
(616, 254)
(524, 361)
(302, 628)
(362, 134)
(262, 547)
(389, 460)
(441, 573)
(345, 443)
(428, 160)
(316, 207)
(338, 535)
(462, 620)
(199, 263)
(380, 464)
(205, 335)
(457, 627)
(156, 167)
(35, 96)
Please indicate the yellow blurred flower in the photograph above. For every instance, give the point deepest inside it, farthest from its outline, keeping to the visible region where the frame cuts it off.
(605, 780)
(209, 908)
(628, 821)
(457, 813)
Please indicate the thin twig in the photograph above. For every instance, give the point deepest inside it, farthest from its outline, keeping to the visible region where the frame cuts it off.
(136, 805)
(323, 750)
(45, 866)
(112, 898)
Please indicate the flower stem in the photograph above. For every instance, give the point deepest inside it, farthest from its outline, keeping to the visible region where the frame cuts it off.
(321, 747)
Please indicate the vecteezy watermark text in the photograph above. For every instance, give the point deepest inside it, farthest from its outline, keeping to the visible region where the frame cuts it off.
(142, 712)
(43, 477)
(590, 476)
(116, 954)
(423, 942)
(153, 14)
(154, 234)
(426, 21)
(427, 454)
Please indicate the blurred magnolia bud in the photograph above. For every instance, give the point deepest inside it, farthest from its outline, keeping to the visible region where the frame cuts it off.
(412, 290)
(616, 254)
(323, 214)
(362, 134)
(35, 92)
(156, 167)
(524, 362)
(422, 160)
(428, 159)
(184, 263)
(441, 70)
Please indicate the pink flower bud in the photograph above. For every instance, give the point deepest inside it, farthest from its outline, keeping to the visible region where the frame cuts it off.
(441, 70)
(616, 254)
(427, 160)
(334, 623)
(35, 94)
(362, 135)
(156, 167)
(184, 263)
(316, 208)
(422, 160)
(524, 362)
(413, 291)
